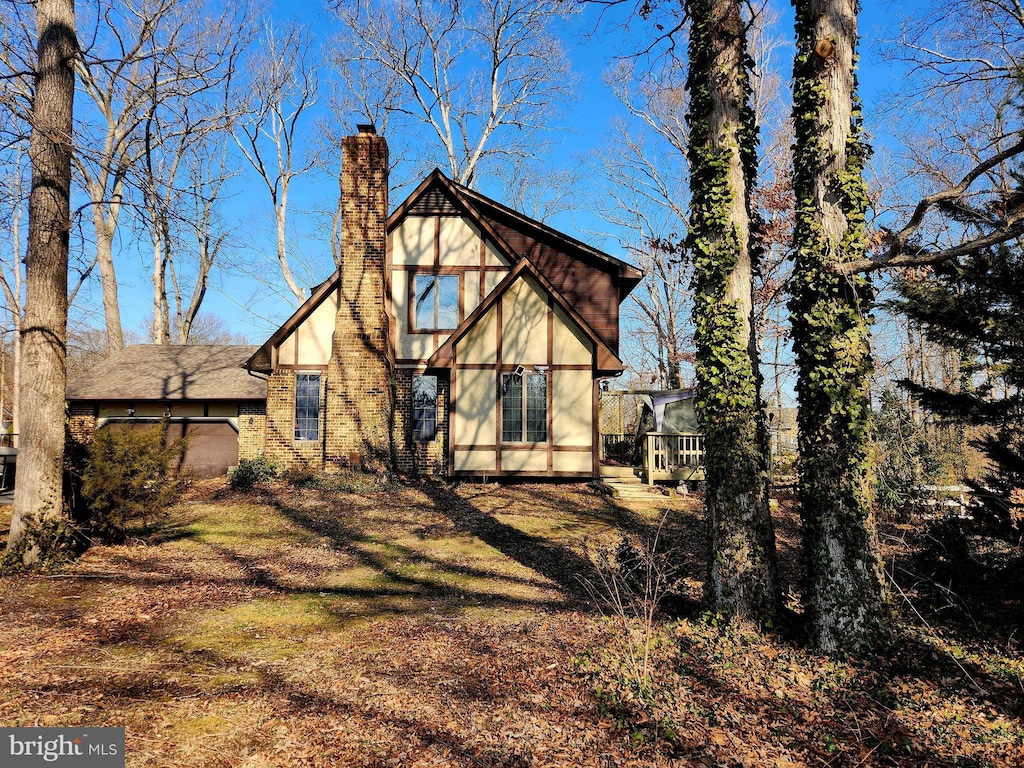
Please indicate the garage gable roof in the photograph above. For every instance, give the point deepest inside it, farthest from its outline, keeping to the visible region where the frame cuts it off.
(171, 372)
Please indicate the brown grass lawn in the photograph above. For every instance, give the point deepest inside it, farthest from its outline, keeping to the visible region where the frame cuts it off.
(449, 625)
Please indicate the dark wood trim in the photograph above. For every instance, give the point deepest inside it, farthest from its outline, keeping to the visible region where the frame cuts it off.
(389, 304)
(483, 270)
(512, 366)
(516, 473)
(451, 420)
(537, 447)
(551, 382)
(605, 360)
(532, 447)
(498, 351)
(595, 436)
(498, 422)
(411, 328)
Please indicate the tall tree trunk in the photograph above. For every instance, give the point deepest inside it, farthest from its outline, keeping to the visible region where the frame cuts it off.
(105, 224)
(36, 528)
(846, 593)
(742, 580)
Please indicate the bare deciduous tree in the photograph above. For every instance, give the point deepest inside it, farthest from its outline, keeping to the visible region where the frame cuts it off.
(36, 527)
(146, 57)
(485, 77)
(959, 113)
(283, 85)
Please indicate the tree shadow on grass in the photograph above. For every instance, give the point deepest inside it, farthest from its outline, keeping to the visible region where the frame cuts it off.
(391, 563)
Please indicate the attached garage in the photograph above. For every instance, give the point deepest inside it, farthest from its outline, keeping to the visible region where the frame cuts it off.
(200, 390)
(212, 447)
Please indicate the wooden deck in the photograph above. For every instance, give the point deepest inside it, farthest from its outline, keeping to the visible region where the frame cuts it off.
(675, 458)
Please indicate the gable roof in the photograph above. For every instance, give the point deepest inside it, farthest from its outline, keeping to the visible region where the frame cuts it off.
(261, 359)
(437, 194)
(607, 361)
(171, 372)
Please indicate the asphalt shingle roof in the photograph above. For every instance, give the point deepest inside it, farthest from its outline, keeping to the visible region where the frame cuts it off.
(171, 372)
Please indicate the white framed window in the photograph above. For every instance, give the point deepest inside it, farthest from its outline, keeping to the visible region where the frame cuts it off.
(424, 408)
(307, 405)
(524, 408)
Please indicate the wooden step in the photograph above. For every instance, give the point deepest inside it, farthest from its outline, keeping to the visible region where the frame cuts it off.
(625, 489)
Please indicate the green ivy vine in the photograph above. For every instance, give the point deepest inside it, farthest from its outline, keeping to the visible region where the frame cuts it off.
(728, 386)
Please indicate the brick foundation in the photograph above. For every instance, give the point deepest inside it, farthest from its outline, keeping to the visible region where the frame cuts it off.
(82, 424)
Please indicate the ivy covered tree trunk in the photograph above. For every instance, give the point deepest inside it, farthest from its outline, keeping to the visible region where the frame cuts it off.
(846, 593)
(36, 527)
(742, 580)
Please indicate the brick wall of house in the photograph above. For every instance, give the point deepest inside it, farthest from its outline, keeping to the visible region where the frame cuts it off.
(279, 440)
(419, 458)
(81, 423)
(359, 391)
(252, 428)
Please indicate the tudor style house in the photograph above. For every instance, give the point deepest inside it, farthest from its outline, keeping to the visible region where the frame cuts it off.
(458, 338)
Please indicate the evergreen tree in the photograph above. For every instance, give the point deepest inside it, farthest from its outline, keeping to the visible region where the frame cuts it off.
(975, 306)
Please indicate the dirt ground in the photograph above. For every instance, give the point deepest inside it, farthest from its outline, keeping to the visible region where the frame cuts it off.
(436, 625)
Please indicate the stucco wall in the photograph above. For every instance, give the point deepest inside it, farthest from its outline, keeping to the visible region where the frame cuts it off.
(446, 245)
(541, 338)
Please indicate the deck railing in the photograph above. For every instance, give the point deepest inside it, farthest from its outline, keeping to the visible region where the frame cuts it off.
(7, 440)
(672, 456)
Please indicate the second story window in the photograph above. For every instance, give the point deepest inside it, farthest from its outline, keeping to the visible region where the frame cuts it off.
(436, 302)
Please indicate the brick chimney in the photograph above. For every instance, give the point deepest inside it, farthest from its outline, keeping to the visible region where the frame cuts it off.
(359, 394)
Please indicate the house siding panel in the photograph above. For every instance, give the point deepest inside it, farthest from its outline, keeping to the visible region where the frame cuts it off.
(569, 346)
(529, 462)
(524, 333)
(315, 335)
(412, 241)
(480, 345)
(475, 461)
(458, 243)
(572, 411)
(475, 418)
(573, 461)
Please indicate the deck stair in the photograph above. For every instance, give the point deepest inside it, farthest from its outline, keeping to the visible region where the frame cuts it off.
(627, 483)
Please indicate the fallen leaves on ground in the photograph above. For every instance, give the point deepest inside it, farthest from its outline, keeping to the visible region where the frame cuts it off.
(434, 625)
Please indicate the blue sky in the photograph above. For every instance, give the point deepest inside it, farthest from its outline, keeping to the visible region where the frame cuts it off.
(252, 310)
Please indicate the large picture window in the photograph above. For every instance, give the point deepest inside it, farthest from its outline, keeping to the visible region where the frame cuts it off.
(307, 406)
(436, 302)
(424, 409)
(524, 408)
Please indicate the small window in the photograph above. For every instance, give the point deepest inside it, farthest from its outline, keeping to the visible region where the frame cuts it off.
(436, 302)
(307, 406)
(424, 409)
(524, 409)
